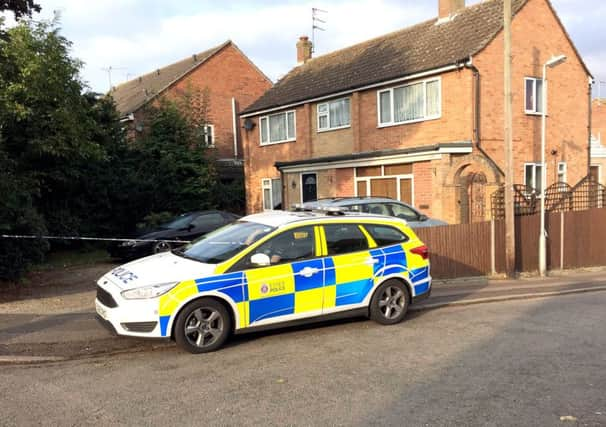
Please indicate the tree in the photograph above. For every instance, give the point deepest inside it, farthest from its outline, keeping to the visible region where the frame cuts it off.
(20, 8)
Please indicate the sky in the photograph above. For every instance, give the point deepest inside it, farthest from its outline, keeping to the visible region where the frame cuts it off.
(138, 36)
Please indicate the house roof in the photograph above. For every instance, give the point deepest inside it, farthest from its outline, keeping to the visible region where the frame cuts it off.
(133, 94)
(423, 47)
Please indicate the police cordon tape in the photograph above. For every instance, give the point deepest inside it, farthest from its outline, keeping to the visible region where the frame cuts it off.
(100, 239)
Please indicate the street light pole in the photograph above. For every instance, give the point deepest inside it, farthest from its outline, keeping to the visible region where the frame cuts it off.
(553, 62)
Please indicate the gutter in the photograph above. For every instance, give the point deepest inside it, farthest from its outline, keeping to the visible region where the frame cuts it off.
(590, 118)
(455, 66)
(476, 140)
(128, 118)
(235, 126)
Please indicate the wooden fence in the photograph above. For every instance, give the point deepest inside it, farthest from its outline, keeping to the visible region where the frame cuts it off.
(575, 239)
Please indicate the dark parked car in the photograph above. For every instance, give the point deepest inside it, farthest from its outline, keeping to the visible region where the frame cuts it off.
(187, 227)
(377, 206)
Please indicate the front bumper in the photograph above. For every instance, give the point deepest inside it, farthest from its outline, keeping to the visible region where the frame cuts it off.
(134, 318)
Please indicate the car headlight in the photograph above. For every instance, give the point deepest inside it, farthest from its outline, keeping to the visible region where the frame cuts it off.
(128, 244)
(151, 291)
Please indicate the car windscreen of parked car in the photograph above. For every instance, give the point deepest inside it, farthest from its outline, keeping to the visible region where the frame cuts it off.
(178, 223)
(225, 242)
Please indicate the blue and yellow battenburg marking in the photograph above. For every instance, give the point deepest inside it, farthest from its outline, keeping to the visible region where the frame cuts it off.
(303, 287)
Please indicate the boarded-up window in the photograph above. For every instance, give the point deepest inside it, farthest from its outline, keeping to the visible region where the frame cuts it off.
(362, 188)
(369, 171)
(405, 169)
(406, 191)
(385, 187)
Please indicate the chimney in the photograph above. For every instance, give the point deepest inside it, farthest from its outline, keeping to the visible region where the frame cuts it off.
(303, 50)
(448, 8)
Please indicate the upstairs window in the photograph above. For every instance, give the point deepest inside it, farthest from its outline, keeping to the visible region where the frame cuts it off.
(334, 114)
(208, 135)
(277, 128)
(534, 95)
(411, 103)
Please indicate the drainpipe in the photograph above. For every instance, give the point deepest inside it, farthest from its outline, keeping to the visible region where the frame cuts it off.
(235, 127)
(589, 127)
(476, 115)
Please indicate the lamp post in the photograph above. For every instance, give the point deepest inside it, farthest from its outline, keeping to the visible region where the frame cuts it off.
(553, 62)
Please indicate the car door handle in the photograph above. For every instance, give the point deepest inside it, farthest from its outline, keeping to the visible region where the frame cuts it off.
(308, 271)
(371, 261)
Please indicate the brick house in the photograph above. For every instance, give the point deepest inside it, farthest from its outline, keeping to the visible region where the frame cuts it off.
(598, 140)
(233, 83)
(417, 115)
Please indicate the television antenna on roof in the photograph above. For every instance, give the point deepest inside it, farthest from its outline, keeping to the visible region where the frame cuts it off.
(315, 19)
(109, 70)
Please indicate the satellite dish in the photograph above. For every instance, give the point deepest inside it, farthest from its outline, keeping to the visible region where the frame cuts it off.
(249, 124)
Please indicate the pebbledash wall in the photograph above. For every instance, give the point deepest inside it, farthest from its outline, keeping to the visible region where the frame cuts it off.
(440, 183)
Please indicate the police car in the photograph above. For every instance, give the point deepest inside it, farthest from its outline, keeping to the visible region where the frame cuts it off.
(267, 270)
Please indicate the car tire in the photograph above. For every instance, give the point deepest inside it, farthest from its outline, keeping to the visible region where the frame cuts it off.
(390, 302)
(202, 326)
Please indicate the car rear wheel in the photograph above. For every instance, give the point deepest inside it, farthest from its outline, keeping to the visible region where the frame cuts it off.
(202, 326)
(390, 302)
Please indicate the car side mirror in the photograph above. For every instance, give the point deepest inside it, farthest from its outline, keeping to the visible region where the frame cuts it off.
(423, 217)
(260, 260)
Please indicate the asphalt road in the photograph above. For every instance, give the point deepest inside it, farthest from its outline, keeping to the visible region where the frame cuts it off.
(512, 363)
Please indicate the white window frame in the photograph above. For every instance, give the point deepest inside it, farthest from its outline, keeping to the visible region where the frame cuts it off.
(368, 179)
(426, 117)
(562, 170)
(535, 178)
(289, 138)
(205, 135)
(327, 115)
(267, 184)
(536, 111)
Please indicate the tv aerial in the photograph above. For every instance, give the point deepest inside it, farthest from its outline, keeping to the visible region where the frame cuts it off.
(315, 13)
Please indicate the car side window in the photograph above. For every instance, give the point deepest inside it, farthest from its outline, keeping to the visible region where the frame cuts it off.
(385, 235)
(344, 238)
(404, 212)
(377, 209)
(208, 221)
(289, 246)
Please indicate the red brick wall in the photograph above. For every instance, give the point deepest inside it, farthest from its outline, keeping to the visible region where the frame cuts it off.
(227, 74)
(536, 36)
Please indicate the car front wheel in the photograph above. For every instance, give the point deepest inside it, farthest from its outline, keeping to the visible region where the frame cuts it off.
(390, 302)
(202, 326)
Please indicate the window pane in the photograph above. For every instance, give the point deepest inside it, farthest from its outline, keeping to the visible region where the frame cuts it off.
(538, 178)
(291, 125)
(529, 176)
(276, 191)
(323, 124)
(323, 108)
(290, 246)
(384, 235)
(339, 113)
(385, 99)
(529, 95)
(344, 238)
(264, 130)
(277, 127)
(267, 199)
(433, 98)
(539, 96)
(408, 103)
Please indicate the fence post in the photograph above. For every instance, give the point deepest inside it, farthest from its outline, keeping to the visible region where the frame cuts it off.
(492, 248)
(562, 240)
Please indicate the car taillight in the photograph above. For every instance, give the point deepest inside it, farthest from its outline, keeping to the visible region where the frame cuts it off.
(422, 251)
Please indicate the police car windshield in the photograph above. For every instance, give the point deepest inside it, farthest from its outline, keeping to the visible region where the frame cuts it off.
(225, 242)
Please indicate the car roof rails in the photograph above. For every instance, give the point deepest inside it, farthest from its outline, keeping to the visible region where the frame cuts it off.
(323, 210)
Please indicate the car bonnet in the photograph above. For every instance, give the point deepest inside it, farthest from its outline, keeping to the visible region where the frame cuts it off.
(156, 269)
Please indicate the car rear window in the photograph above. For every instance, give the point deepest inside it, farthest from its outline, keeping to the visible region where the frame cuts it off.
(385, 235)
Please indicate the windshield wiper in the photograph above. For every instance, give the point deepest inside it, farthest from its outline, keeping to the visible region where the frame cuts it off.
(179, 252)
